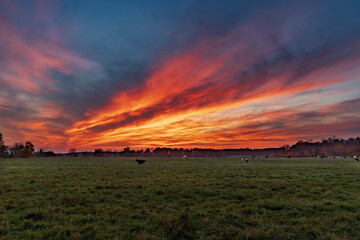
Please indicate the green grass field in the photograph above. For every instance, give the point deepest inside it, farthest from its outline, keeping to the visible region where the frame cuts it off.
(115, 198)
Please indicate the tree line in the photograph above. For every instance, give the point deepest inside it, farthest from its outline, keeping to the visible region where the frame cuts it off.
(18, 150)
(329, 147)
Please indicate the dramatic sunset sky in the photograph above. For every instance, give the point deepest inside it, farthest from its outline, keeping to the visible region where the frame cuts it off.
(189, 73)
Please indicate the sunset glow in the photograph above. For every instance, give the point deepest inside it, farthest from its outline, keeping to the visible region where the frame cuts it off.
(263, 78)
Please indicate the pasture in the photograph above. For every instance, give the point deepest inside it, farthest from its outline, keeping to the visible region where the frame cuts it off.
(115, 198)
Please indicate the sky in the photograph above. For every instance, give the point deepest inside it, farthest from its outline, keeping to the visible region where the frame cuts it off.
(191, 73)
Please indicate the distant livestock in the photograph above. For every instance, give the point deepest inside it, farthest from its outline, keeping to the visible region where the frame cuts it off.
(185, 157)
(140, 161)
(356, 158)
(245, 160)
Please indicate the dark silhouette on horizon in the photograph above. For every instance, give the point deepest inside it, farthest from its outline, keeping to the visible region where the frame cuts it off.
(331, 147)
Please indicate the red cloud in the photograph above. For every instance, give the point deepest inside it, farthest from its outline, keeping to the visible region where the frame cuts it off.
(172, 107)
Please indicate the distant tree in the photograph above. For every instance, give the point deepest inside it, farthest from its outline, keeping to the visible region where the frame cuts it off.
(1, 139)
(22, 151)
(126, 152)
(286, 147)
(3, 148)
(98, 152)
(18, 150)
(72, 150)
(29, 149)
(147, 152)
(139, 152)
(43, 153)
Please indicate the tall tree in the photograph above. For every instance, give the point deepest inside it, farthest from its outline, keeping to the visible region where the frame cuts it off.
(3, 148)
(29, 149)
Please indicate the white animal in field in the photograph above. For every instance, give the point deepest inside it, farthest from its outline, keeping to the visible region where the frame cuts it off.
(356, 159)
(185, 157)
(244, 159)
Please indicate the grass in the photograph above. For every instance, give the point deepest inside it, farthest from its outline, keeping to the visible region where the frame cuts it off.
(114, 198)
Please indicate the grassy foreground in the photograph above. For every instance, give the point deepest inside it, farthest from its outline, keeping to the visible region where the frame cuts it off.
(114, 198)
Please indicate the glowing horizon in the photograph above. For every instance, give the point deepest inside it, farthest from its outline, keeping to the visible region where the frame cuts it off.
(146, 78)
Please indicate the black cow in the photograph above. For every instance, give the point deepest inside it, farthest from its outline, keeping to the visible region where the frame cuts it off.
(140, 161)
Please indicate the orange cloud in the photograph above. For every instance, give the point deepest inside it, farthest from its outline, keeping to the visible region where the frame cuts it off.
(181, 102)
(27, 64)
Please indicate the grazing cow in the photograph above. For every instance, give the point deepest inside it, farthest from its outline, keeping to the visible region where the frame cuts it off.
(140, 161)
(244, 160)
(185, 157)
(356, 159)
